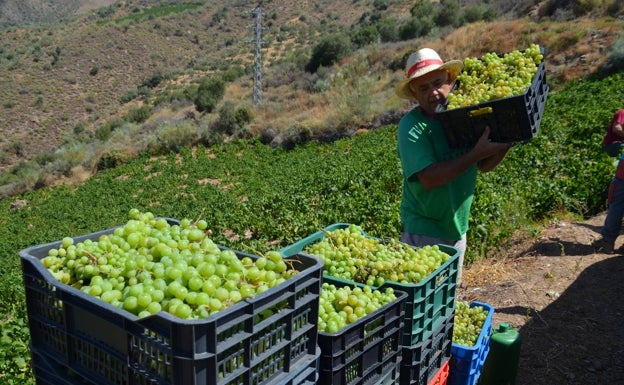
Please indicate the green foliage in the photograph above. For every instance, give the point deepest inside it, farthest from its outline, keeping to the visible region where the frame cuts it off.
(104, 131)
(364, 36)
(448, 13)
(209, 93)
(416, 27)
(329, 51)
(14, 352)
(388, 30)
(172, 137)
(138, 114)
(232, 120)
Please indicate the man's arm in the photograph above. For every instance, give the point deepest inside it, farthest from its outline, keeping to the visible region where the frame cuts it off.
(440, 173)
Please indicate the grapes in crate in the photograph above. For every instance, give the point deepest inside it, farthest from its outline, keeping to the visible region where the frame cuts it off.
(349, 254)
(468, 323)
(341, 306)
(149, 265)
(494, 76)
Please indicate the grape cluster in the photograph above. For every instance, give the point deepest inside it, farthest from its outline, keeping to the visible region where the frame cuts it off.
(149, 265)
(341, 306)
(349, 254)
(468, 322)
(493, 77)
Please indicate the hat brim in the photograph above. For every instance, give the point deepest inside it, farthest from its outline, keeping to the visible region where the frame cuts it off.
(453, 67)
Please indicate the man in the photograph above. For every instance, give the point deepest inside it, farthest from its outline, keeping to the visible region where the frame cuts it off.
(438, 182)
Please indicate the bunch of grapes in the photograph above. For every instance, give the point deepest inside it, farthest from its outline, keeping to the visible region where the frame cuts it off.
(468, 322)
(493, 77)
(148, 265)
(349, 254)
(341, 306)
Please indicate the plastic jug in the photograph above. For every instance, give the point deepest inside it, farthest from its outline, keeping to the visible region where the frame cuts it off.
(501, 364)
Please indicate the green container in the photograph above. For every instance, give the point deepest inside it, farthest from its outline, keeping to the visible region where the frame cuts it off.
(501, 364)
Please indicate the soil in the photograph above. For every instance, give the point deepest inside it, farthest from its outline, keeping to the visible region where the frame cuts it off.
(563, 298)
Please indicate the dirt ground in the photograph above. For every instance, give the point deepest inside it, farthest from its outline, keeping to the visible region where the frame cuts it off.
(565, 301)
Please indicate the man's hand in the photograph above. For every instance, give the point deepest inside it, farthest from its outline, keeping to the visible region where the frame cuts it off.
(489, 154)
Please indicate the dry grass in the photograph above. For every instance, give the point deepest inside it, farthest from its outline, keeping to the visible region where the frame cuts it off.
(488, 271)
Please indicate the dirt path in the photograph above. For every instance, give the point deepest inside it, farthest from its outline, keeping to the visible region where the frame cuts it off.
(564, 299)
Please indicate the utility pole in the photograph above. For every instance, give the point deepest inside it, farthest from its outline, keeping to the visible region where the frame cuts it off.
(257, 86)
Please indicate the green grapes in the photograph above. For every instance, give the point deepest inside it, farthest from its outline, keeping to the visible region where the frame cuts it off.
(468, 322)
(147, 266)
(349, 254)
(494, 77)
(341, 306)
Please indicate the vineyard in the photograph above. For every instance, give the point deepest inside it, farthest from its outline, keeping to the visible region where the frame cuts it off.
(254, 198)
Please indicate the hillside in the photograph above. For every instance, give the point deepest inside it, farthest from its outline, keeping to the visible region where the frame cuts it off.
(67, 79)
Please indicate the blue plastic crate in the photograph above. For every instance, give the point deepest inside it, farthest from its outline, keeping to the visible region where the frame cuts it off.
(511, 119)
(466, 362)
(100, 343)
(365, 350)
(429, 302)
(423, 361)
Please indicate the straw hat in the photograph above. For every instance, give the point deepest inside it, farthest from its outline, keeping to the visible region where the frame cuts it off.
(424, 61)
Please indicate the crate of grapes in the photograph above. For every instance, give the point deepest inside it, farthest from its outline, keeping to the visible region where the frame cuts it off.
(467, 361)
(513, 116)
(431, 287)
(267, 338)
(423, 361)
(364, 349)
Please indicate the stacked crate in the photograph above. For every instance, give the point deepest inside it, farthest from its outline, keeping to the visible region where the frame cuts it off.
(367, 351)
(77, 339)
(467, 361)
(429, 314)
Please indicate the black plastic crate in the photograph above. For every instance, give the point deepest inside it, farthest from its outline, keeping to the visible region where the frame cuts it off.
(512, 119)
(48, 371)
(101, 343)
(422, 361)
(366, 350)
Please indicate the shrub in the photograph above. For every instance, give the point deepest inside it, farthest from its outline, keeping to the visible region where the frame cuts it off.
(209, 93)
(232, 120)
(113, 158)
(365, 36)
(388, 30)
(16, 147)
(328, 51)
(172, 137)
(139, 114)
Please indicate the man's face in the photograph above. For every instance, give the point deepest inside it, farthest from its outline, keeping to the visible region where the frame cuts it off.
(431, 89)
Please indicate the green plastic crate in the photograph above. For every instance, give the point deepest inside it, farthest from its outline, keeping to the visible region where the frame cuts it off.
(428, 303)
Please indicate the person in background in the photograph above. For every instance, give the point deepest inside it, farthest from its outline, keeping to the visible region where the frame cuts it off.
(613, 221)
(613, 142)
(438, 182)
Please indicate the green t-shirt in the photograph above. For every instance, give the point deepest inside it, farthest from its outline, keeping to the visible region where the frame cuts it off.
(442, 212)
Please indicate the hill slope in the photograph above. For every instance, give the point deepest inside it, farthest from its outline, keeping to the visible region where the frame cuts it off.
(60, 80)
